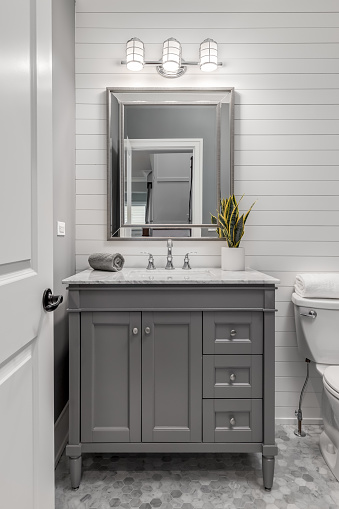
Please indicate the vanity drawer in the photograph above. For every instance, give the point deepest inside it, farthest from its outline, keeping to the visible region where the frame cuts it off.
(232, 376)
(230, 420)
(233, 332)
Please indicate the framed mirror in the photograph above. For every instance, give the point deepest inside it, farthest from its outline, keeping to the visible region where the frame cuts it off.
(170, 160)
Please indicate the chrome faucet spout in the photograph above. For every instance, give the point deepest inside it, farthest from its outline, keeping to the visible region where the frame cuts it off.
(169, 264)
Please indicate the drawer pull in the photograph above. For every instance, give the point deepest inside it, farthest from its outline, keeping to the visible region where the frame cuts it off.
(135, 331)
(232, 421)
(233, 333)
(147, 330)
(232, 377)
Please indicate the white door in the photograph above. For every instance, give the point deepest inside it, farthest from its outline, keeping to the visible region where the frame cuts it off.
(26, 334)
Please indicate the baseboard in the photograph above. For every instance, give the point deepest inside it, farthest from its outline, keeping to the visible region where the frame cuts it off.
(293, 420)
(61, 433)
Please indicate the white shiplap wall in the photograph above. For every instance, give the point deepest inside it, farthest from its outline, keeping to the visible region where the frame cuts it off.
(282, 59)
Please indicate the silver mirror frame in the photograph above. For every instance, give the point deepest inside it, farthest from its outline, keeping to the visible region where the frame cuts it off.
(111, 221)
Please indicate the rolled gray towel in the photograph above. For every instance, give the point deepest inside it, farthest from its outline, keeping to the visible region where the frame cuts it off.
(106, 261)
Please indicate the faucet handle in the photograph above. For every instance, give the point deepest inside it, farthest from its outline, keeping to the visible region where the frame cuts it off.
(186, 265)
(150, 265)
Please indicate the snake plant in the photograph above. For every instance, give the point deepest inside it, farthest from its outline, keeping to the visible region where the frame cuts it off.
(231, 226)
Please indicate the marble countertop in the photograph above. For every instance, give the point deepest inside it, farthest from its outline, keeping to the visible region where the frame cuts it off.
(202, 276)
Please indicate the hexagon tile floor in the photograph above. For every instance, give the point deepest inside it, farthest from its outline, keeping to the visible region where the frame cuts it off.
(188, 481)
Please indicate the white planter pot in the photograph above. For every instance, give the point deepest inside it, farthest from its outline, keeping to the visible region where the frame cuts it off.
(232, 258)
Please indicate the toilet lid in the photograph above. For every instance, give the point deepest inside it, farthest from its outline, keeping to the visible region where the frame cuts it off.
(331, 377)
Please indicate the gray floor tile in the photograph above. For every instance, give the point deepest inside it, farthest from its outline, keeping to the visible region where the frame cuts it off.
(207, 481)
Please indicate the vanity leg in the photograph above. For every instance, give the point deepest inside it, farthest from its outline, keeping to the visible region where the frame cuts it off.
(268, 471)
(75, 471)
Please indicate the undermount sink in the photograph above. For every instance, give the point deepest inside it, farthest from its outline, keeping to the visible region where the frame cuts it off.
(170, 275)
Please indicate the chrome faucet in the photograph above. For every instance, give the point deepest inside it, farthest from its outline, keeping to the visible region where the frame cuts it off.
(169, 264)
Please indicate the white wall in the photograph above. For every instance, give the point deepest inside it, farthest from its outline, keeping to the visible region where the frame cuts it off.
(63, 185)
(282, 59)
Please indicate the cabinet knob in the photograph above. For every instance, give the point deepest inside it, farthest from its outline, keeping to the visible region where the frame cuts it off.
(232, 421)
(135, 330)
(233, 333)
(147, 330)
(232, 377)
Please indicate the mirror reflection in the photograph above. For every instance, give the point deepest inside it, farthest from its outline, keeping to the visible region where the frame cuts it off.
(170, 160)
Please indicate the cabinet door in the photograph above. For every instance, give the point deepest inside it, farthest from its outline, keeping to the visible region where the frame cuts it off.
(171, 377)
(110, 377)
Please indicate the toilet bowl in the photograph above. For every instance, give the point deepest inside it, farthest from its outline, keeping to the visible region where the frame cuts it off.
(317, 328)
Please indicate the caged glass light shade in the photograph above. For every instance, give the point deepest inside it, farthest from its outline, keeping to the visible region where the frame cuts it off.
(208, 55)
(171, 55)
(135, 54)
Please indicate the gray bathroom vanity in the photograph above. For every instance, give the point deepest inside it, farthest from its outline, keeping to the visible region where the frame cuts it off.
(171, 363)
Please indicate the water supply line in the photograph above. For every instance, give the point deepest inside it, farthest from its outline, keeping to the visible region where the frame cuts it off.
(299, 415)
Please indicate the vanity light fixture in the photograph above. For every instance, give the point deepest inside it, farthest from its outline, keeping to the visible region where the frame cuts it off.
(172, 64)
(135, 54)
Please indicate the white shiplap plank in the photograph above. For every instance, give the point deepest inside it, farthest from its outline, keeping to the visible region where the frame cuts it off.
(285, 415)
(310, 400)
(287, 248)
(283, 293)
(91, 156)
(90, 232)
(279, 232)
(295, 384)
(230, 65)
(296, 263)
(300, 217)
(290, 203)
(284, 323)
(91, 111)
(285, 338)
(287, 369)
(91, 171)
(91, 187)
(91, 217)
(288, 97)
(91, 202)
(289, 173)
(91, 141)
(279, 127)
(284, 309)
(287, 354)
(196, 35)
(276, 187)
(284, 157)
(287, 142)
(226, 20)
(287, 111)
(217, 6)
(93, 126)
(120, 77)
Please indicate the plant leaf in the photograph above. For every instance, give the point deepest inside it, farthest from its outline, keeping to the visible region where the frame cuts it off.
(238, 231)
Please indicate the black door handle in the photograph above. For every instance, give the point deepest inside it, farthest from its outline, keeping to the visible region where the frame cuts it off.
(49, 301)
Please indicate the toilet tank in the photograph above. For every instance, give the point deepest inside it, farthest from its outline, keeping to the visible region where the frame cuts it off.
(318, 337)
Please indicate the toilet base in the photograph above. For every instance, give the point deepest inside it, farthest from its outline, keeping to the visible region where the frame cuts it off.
(330, 454)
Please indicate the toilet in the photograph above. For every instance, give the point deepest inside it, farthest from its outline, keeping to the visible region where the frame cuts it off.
(317, 327)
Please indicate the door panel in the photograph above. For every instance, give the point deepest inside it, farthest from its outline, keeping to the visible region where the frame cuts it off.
(111, 377)
(26, 255)
(171, 377)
